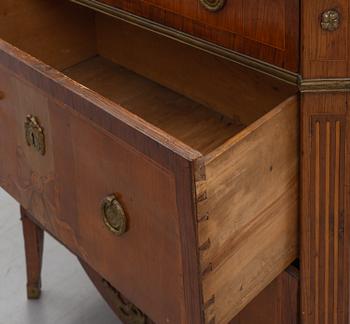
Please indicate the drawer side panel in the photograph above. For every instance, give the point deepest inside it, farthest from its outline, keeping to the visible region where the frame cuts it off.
(247, 210)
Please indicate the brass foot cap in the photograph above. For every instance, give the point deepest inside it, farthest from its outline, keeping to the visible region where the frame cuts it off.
(33, 292)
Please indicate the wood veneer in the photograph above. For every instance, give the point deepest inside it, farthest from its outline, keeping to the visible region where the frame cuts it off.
(325, 282)
(325, 226)
(324, 54)
(34, 246)
(192, 123)
(59, 45)
(243, 26)
(277, 304)
(112, 126)
(247, 111)
(242, 215)
(210, 80)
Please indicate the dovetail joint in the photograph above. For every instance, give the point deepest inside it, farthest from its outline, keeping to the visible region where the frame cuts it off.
(203, 218)
(212, 321)
(202, 197)
(210, 302)
(205, 246)
(207, 270)
(200, 172)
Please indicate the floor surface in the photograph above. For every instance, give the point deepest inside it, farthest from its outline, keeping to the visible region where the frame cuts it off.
(68, 297)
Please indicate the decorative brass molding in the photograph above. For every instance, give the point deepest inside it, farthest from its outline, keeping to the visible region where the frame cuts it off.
(330, 20)
(244, 60)
(305, 85)
(34, 134)
(324, 85)
(213, 5)
(113, 215)
(127, 312)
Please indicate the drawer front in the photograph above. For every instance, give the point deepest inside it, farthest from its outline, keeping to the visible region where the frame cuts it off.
(145, 261)
(25, 173)
(266, 29)
(64, 186)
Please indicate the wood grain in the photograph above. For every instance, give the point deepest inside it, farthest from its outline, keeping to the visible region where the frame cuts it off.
(176, 164)
(325, 175)
(325, 178)
(110, 294)
(52, 197)
(207, 79)
(147, 192)
(324, 54)
(247, 201)
(34, 244)
(243, 26)
(276, 304)
(36, 27)
(196, 125)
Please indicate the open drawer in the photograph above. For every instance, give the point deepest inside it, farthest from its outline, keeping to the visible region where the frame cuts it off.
(200, 153)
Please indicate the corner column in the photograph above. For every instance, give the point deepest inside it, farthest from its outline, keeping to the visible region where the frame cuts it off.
(325, 163)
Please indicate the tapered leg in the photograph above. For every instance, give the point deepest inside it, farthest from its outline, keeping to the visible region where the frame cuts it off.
(34, 243)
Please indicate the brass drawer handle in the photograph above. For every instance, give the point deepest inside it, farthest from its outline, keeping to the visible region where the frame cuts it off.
(213, 5)
(34, 134)
(114, 215)
(330, 20)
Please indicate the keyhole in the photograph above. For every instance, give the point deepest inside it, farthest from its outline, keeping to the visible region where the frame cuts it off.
(33, 140)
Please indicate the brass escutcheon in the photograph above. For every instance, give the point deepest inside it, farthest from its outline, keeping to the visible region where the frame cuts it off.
(113, 215)
(213, 5)
(34, 134)
(330, 20)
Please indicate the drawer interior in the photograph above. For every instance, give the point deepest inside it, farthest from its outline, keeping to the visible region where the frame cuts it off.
(200, 99)
(195, 124)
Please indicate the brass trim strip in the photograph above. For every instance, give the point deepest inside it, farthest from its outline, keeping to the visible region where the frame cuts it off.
(244, 60)
(305, 85)
(324, 85)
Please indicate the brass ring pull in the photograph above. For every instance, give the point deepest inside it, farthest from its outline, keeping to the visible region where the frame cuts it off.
(34, 134)
(213, 5)
(114, 215)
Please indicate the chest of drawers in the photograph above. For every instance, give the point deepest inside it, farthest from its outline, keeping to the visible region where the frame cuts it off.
(159, 141)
